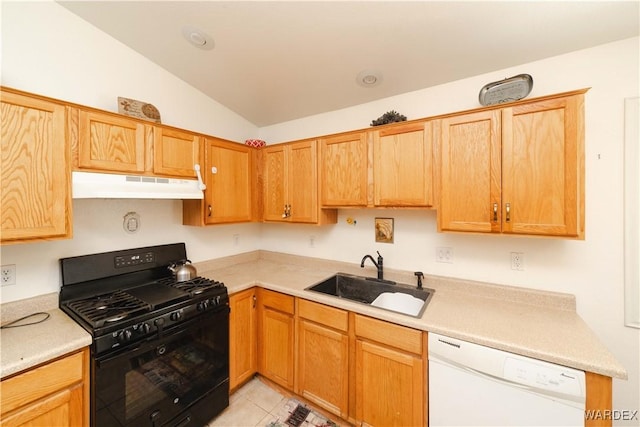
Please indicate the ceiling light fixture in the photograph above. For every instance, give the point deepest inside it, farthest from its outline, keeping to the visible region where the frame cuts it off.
(197, 37)
(369, 78)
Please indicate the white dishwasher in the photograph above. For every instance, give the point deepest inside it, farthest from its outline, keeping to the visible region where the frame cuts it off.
(473, 385)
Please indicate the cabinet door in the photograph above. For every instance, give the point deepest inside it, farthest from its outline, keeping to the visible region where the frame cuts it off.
(175, 153)
(228, 180)
(302, 189)
(243, 361)
(389, 386)
(110, 143)
(63, 408)
(36, 185)
(344, 169)
(275, 182)
(322, 337)
(276, 337)
(470, 188)
(402, 165)
(542, 160)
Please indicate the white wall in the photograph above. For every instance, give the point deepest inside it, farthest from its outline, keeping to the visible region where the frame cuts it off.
(49, 51)
(591, 269)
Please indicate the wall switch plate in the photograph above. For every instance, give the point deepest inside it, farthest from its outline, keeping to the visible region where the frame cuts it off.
(8, 275)
(444, 255)
(517, 261)
(312, 241)
(236, 239)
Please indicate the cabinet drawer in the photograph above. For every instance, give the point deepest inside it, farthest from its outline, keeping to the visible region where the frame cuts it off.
(390, 334)
(324, 315)
(39, 382)
(277, 301)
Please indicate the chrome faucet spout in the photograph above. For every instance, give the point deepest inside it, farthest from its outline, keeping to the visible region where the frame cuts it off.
(377, 264)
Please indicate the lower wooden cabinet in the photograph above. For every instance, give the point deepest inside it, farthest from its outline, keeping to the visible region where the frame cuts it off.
(54, 394)
(276, 332)
(243, 354)
(322, 376)
(390, 374)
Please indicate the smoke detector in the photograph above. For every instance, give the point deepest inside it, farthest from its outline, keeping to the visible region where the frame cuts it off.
(369, 78)
(197, 37)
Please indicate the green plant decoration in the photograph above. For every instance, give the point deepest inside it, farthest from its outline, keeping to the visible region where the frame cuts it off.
(389, 117)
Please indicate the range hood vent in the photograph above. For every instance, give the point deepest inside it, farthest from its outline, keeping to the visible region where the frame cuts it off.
(89, 185)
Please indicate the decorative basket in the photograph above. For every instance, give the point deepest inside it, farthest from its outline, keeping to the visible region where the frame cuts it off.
(256, 143)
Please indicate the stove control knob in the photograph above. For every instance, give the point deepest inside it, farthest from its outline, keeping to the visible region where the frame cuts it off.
(124, 335)
(218, 300)
(203, 305)
(144, 328)
(175, 316)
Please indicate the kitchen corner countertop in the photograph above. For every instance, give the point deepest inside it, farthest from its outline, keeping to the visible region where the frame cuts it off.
(538, 324)
(28, 346)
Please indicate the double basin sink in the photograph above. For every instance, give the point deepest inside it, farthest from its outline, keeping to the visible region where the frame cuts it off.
(385, 294)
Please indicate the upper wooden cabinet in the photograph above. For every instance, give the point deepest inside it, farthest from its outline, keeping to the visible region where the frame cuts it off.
(108, 142)
(175, 152)
(516, 170)
(36, 184)
(344, 170)
(402, 165)
(291, 184)
(229, 175)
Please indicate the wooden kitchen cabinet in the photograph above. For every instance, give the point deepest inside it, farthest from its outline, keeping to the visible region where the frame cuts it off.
(54, 394)
(514, 170)
(402, 165)
(344, 170)
(322, 374)
(175, 152)
(35, 169)
(291, 184)
(276, 334)
(243, 355)
(110, 143)
(229, 176)
(390, 374)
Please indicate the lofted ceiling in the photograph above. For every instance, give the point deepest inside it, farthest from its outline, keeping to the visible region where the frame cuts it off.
(275, 61)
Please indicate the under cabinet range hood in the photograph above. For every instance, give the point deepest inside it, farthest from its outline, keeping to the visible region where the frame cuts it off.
(89, 185)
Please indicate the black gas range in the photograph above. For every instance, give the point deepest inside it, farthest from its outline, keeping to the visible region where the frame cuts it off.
(160, 350)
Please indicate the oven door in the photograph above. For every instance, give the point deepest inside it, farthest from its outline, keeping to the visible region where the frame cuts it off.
(179, 379)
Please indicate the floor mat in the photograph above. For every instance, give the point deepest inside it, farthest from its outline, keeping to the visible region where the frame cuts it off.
(296, 414)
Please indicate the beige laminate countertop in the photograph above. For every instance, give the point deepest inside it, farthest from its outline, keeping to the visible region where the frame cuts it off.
(538, 324)
(28, 346)
(542, 325)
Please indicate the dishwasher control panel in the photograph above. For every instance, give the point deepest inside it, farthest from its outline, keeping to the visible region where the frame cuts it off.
(541, 375)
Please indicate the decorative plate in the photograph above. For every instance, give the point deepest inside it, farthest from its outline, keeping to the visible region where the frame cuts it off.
(256, 143)
(138, 109)
(507, 90)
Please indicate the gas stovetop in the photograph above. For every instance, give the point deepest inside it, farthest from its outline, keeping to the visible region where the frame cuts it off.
(126, 296)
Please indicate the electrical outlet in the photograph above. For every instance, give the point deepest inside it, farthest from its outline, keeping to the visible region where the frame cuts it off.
(517, 261)
(236, 239)
(444, 255)
(8, 275)
(312, 241)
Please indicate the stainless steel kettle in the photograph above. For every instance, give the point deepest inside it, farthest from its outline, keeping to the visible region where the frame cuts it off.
(183, 270)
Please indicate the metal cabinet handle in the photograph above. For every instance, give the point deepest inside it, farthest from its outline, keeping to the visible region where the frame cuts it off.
(495, 212)
(210, 210)
(255, 299)
(508, 209)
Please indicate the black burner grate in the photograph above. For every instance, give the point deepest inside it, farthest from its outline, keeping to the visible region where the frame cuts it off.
(108, 308)
(194, 286)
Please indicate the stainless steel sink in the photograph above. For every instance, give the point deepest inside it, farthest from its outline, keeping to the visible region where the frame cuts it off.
(384, 294)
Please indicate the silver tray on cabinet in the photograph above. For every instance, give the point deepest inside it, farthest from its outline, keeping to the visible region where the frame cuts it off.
(507, 90)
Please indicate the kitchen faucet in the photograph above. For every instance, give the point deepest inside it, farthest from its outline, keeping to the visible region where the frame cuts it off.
(377, 264)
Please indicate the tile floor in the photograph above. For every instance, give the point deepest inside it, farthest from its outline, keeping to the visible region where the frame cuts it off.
(255, 404)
